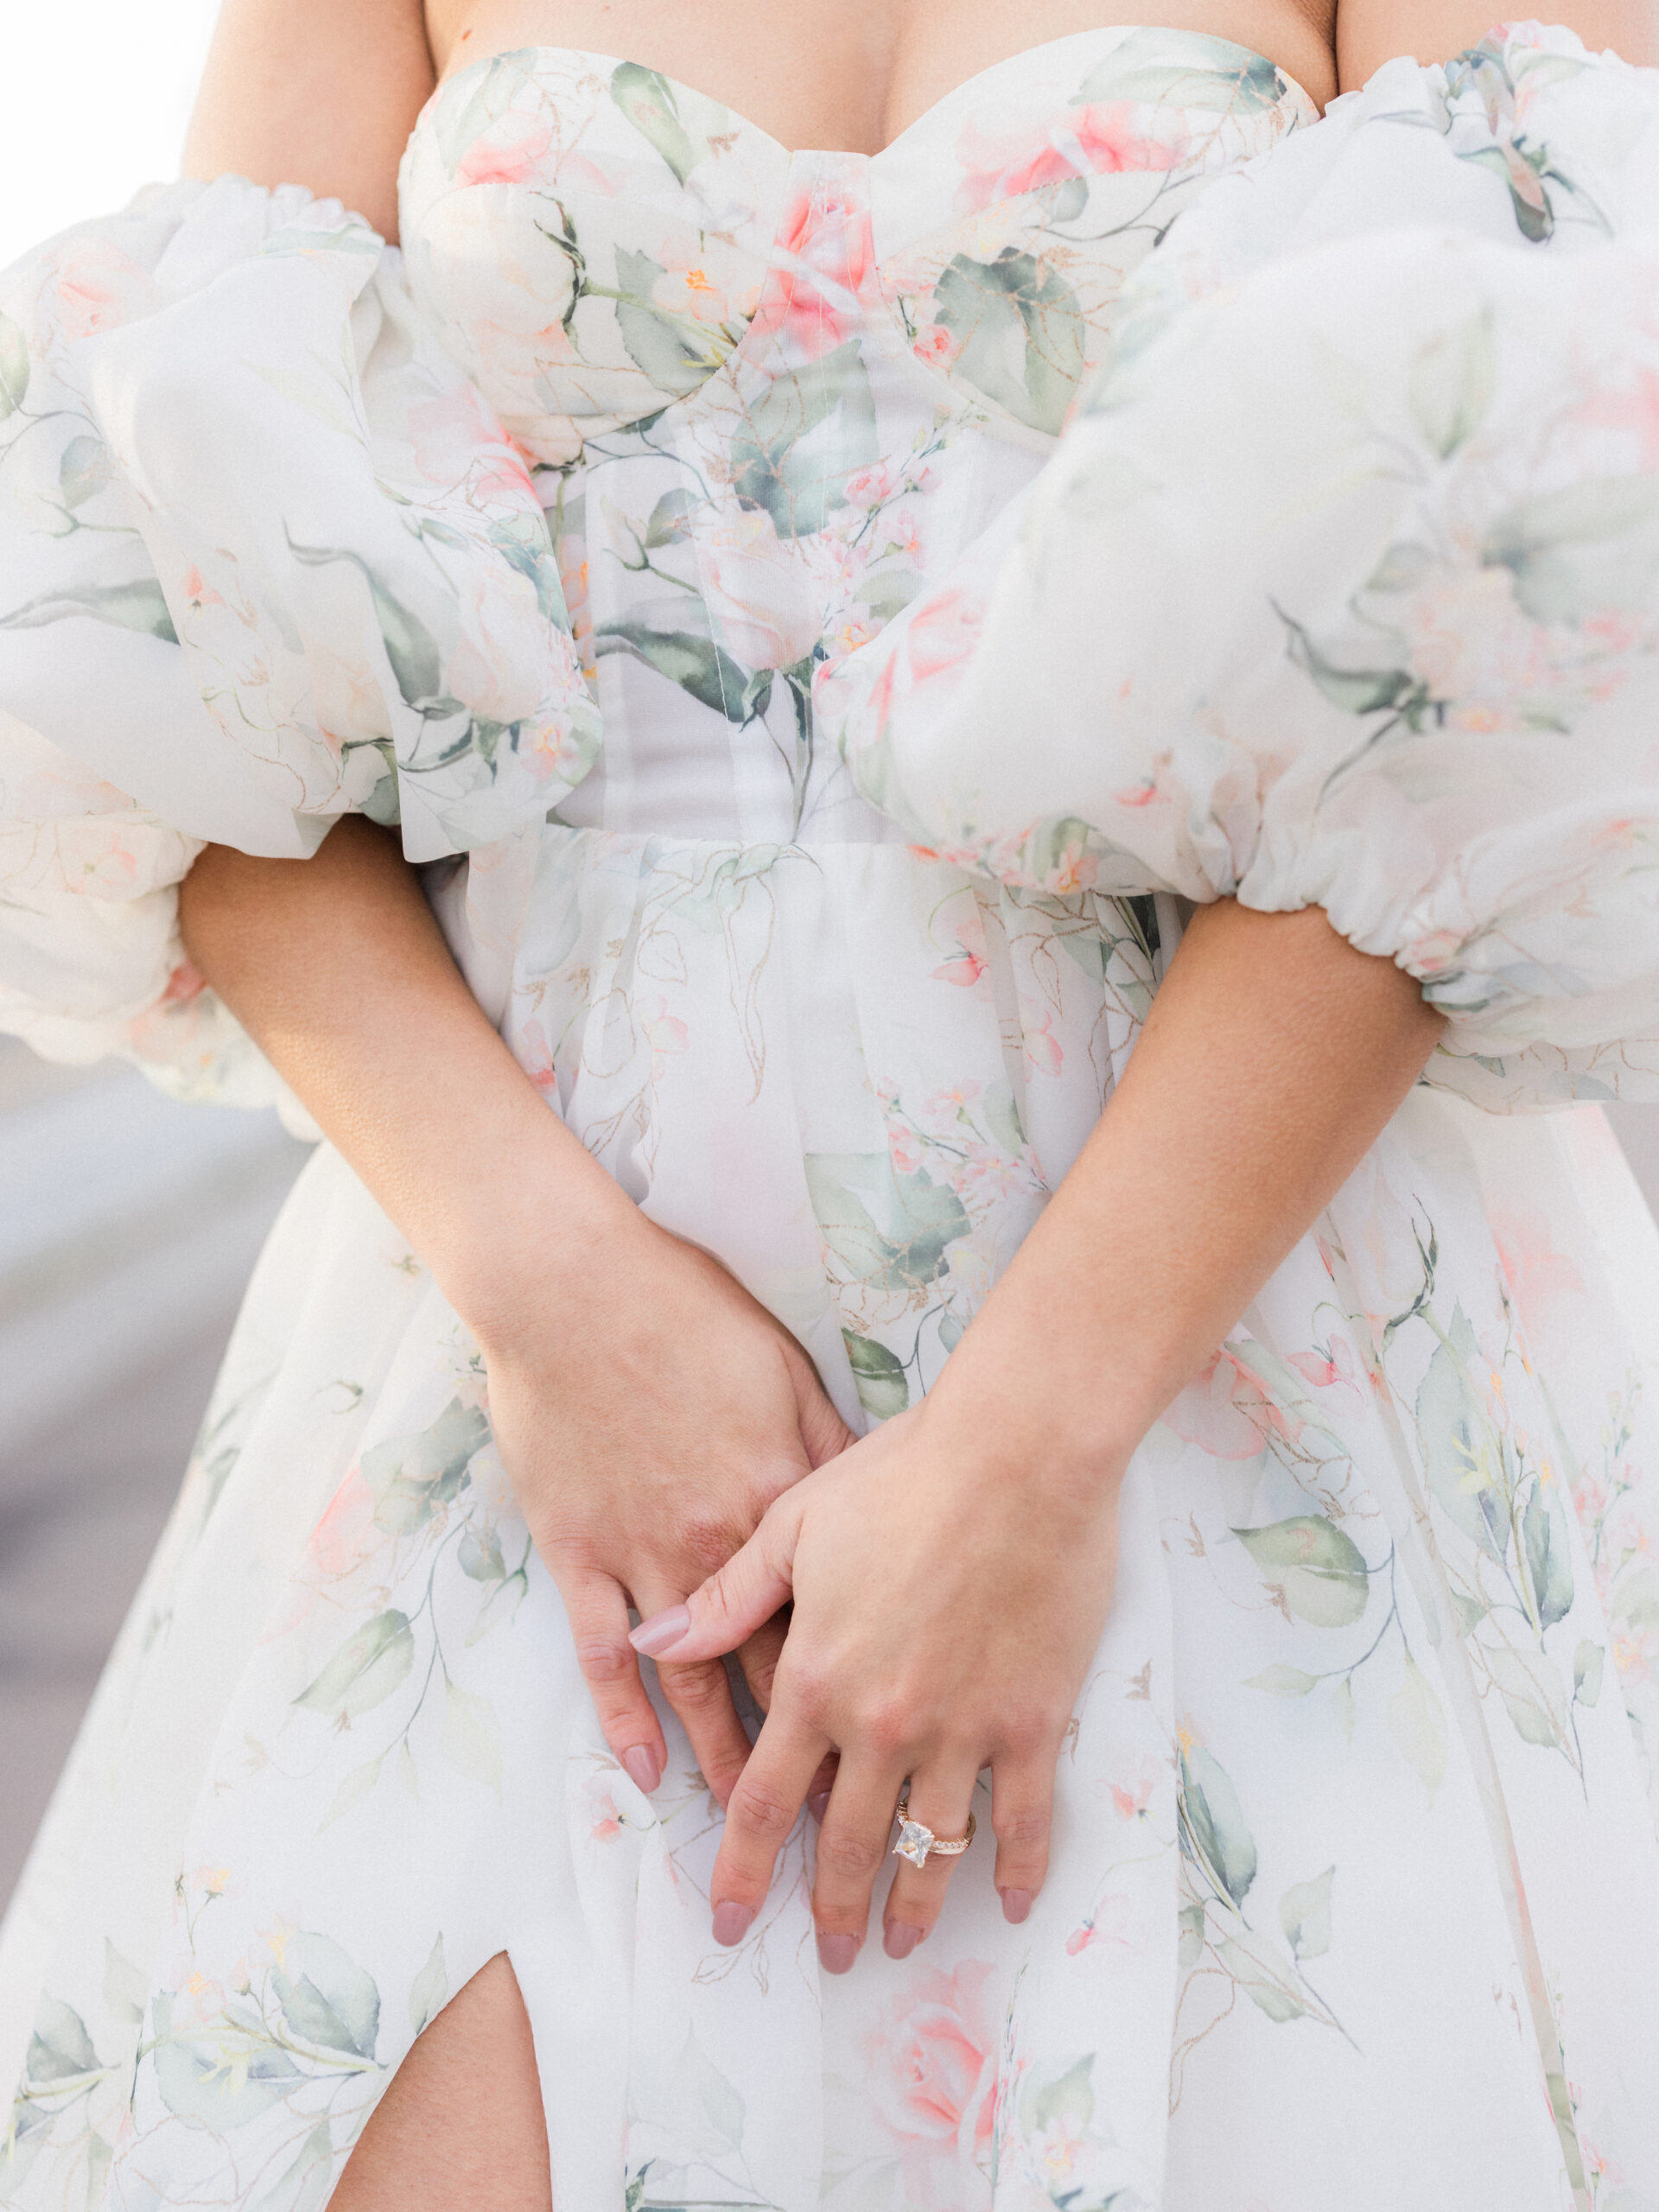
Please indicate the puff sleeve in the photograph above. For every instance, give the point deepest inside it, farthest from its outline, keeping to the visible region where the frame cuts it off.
(266, 558)
(1344, 588)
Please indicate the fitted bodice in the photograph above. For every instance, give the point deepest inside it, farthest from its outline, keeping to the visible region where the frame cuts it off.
(767, 393)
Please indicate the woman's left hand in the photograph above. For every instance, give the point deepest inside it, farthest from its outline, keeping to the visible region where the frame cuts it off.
(949, 1591)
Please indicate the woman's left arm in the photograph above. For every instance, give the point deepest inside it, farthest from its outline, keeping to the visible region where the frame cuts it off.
(951, 1574)
(1372, 32)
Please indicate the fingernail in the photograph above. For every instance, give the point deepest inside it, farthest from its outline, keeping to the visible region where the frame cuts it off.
(733, 1922)
(898, 1939)
(1016, 1905)
(641, 1762)
(661, 1631)
(837, 1953)
(818, 1804)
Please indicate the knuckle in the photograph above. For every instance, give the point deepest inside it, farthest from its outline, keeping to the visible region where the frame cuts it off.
(602, 1660)
(707, 1539)
(757, 1806)
(846, 1853)
(807, 1686)
(887, 1725)
(698, 1689)
(1024, 1829)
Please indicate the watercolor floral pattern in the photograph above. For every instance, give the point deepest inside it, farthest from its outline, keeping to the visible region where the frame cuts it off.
(673, 436)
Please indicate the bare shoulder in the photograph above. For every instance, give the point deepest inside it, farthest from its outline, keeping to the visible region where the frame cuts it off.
(1372, 32)
(318, 92)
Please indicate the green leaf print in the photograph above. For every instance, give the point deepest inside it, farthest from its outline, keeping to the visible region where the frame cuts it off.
(1212, 1824)
(14, 367)
(59, 2050)
(1262, 1977)
(416, 663)
(1531, 1695)
(1355, 690)
(1282, 1682)
(325, 1997)
(802, 437)
(1190, 1947)
(647, 98)
(136, 606)
(883, 1386)
(469, 1737)
(458, 129)
(1304, 1915)
(888, 1230)
(1452, 383)
(670, 520)
(677, 355)
(1458, 1449)
(1590, 549)
(1418, 1726)
(481, 1556)
(1549, 1564)
(1529, 201)
(124, 1987)
(429, 1989)
(1063, 2100)
(1016, 309)
(84, 470)
(1587, 1662)
(413, 1476)
(1184, 69)
(366, 1670)
(205, 2086)
(699, 667)
(708, 2107)
(1318, 1572)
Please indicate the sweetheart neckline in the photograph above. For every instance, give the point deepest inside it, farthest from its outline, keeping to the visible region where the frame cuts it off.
(806, 153)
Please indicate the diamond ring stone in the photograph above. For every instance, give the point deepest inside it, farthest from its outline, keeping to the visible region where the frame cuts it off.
(917, 1840)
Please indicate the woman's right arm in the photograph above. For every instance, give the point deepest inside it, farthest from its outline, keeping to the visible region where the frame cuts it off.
(646, 1408)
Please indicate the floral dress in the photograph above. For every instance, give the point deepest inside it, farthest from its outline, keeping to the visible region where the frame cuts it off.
(816, 619)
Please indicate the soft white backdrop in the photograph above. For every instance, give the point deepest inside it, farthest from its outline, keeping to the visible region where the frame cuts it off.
(94, 100)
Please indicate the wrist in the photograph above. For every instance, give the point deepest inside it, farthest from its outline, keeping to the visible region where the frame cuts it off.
(543, 1231)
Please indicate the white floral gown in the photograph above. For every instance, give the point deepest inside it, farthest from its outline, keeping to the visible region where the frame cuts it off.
(810, 776)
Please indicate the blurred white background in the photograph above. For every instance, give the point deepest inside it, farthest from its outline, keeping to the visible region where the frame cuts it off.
(128, 1224)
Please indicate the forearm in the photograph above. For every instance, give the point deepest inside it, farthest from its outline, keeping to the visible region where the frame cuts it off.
(337, 969)
(1273, 1056)
(1372, 32)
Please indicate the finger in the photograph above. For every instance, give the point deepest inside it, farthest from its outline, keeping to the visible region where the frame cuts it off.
(701, 1695)
(764, 1808)
(941, 1797)
(819, 1789)
(1022, 1813)
(598, 1612)
(759, 1658)
(853, 1842)
(824, 1433)
(727, 1610)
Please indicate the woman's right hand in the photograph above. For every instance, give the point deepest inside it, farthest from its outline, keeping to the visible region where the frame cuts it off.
(648, 1410)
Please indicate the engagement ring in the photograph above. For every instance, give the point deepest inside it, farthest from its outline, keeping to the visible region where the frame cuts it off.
(915, 1839)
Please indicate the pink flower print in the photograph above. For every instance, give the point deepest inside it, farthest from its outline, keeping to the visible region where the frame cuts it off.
(1636, 410)
(1110, 1926)
(511, 149)
(1132, 1793)
(944, 632)
(904, 1148)
(665, 1032)
(826, 254)
(535, 1056)
(457, 439)
(345, 1536)
(686, 289)
(99, 287)
(932, 2076)
(996, 169)
(1043, 1048)
(197, 1996)
(758, 594)
(964, 970)
(870, 487)
(1636, 1647)
(499, 665)
(1544, 1281)
(1226, 1411)
(1328, 1367)
(936, 346)
(197, 593)
(1111, 139)
(1591, 1498)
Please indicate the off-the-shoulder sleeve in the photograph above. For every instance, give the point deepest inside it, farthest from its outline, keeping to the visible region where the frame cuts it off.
(266, 558)
(1345, 590)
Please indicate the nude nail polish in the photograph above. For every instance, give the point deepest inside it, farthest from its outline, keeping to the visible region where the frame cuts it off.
(1016, 1906)
(733, 1922)
(640, 1762)
(661, 1632)
(837, 1953)
(899, 1939)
